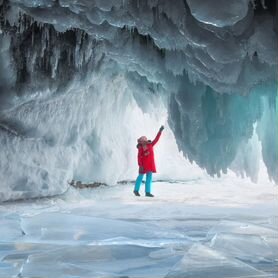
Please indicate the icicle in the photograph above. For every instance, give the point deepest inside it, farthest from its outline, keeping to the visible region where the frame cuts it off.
(78, 49)
(263, 4)
(33, 35)
(47, 36)
(43, 43)
(253, 2)
(54, 62)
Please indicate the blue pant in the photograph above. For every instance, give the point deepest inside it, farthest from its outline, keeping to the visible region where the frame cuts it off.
(148, 184)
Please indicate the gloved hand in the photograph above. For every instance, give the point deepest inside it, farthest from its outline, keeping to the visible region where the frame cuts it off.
(141, 169)
(161, 128)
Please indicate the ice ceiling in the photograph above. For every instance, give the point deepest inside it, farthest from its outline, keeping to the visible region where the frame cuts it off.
(73, 73)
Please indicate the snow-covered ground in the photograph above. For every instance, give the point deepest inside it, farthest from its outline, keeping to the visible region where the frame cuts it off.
(197, 228)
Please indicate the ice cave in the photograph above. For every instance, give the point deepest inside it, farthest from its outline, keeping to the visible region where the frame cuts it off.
(81, 81)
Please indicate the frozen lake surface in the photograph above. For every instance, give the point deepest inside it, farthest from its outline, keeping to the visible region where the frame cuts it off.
(196, 228)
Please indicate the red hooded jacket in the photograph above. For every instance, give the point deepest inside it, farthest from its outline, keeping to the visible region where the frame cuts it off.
(146, 156)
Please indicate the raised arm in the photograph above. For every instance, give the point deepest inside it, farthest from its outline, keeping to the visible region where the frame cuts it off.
(157, 136)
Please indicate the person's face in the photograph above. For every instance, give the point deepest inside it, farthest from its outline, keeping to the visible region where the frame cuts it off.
(143, 140)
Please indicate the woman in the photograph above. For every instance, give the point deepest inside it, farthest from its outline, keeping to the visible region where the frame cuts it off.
(146, 163)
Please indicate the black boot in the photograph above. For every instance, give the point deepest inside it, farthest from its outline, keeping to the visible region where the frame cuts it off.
(136, 193)
(149, 194)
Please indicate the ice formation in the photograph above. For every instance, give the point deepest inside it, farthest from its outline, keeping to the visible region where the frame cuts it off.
(80, 80)
(180, 233)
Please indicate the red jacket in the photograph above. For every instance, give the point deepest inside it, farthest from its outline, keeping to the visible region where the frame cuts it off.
(146, 156)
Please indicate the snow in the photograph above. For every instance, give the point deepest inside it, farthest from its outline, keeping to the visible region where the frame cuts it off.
(195, 228)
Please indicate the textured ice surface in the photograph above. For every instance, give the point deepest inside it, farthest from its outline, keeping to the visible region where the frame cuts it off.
(201, 261)
(80, 81)
(254, 248)
(108, 232)
(98, 261)
(219, 13)
(240, 228)
(10, 229)
(50, 227)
